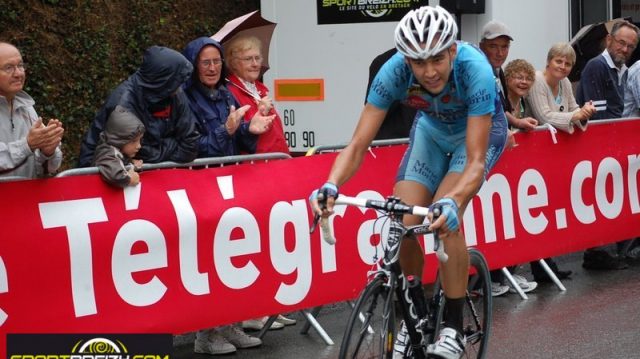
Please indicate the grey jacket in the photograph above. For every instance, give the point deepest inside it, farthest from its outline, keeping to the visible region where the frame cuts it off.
(16, 158)
(121, 128)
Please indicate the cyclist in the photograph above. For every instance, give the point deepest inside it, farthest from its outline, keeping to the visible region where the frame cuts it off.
(458, 135)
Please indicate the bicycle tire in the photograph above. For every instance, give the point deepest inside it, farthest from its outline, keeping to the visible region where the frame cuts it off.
(477, 328)
(375, 304)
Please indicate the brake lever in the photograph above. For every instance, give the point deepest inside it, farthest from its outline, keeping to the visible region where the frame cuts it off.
(316, 219)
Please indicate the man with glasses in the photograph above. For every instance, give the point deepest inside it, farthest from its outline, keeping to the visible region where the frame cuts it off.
(224, 133)
(603, 81)
(28, 147)
(604, 77)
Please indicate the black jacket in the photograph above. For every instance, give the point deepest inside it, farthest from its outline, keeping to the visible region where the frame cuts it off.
(154, 95)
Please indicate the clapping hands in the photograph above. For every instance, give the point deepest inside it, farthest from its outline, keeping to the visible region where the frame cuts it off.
(45, 138)
(265, 105)
(234, 120)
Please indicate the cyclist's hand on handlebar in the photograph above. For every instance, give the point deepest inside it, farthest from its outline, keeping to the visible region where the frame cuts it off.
(448, 220)
(322, 199)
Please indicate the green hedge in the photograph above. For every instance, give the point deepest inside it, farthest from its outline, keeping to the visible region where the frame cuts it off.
(78, 51)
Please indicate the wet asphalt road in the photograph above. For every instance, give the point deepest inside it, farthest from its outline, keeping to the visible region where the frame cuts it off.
(597, 317)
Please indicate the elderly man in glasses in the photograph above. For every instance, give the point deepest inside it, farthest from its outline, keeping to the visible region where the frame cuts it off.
(604, 77)
(28, 147)
(603, 81)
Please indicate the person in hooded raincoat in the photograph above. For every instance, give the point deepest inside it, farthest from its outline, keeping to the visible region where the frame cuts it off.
(154, 95)
(119, 144)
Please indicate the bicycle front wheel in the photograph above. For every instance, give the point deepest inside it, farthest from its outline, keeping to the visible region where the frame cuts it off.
(370, 329)
(477, 316)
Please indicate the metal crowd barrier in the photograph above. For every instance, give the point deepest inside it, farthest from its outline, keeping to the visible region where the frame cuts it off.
(196, 164)
(13, 178)
(335, 148)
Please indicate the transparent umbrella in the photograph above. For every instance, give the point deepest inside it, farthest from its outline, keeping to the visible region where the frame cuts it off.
(251, 24)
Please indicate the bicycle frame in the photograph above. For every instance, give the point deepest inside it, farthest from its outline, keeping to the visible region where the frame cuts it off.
(388, 267)
(388, 274)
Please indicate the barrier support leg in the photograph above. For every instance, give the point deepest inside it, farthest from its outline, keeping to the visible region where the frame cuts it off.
(314, 312)
(267, 325)
(513, 283)
(314, 323)
(552, 275)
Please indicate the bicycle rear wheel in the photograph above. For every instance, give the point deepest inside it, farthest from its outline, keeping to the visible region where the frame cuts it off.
(478, 308)
(370, 329)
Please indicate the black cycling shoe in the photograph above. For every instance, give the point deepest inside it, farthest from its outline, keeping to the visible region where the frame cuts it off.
(601, 260)
(541, 276)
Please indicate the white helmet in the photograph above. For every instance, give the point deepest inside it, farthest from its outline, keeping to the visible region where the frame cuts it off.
(425, 32)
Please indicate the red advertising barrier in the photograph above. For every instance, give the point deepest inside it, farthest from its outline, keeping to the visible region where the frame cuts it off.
(189, 249)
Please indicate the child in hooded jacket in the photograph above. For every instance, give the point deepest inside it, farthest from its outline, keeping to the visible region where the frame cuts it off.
(119, 143)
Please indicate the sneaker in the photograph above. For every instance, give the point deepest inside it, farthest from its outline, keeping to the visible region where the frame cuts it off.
(450, 345)
(524, 284)
(236, 336)
(402, 342)
(257, 324)
(213, 344)
(498, 289)
(284, 320)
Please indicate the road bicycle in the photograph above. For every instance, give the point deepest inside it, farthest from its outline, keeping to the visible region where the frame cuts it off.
(371, 329)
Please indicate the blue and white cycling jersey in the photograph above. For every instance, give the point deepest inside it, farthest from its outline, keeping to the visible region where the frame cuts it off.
(439, 130)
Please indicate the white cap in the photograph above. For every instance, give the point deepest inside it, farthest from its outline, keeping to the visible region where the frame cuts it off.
(494, 29)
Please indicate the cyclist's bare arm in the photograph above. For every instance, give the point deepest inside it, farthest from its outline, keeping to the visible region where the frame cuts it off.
(349, 159)
(477, 142)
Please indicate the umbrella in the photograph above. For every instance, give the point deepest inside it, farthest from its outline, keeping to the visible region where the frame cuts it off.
(589, 42)
(251, 24)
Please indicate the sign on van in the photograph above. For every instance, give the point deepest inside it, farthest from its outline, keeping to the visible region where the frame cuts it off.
(352, 11)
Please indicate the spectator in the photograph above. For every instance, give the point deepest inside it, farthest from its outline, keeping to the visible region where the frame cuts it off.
(604, 76)
(224, 133)
(399, 118)
(28, 148)
(551, 98)
(495, 43)
(119, 143)
(244, 60)
(154, 96)
(603, 81)
(520, 75)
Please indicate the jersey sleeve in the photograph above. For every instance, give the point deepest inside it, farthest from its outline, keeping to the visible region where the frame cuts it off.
(390, 83)
(477, 81)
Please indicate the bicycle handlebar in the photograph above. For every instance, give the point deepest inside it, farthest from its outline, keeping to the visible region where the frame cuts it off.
(390, 206)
